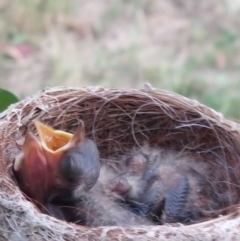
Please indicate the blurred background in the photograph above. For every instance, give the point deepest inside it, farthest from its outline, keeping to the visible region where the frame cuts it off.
(189, 47)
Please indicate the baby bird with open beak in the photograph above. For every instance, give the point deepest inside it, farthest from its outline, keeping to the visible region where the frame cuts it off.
(55, 166)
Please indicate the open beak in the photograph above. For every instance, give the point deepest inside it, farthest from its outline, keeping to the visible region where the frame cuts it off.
(38, 162)
(55, 142)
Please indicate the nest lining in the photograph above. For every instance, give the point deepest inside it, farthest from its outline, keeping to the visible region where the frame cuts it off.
(118, 120)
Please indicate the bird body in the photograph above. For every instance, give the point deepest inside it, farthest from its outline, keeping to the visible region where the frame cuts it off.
(97, 208)
(100, 206)
(55, 165)
(166, 186)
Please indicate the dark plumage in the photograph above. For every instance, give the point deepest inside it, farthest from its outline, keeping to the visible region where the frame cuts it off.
(55, 165)
(166, 186)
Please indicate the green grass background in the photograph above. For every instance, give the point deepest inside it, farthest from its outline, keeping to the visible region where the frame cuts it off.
(189, 47)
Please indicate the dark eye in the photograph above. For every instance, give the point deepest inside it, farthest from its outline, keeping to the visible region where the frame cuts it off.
(70, 167)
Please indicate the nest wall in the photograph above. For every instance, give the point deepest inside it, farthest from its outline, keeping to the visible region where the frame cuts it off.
(118, 120)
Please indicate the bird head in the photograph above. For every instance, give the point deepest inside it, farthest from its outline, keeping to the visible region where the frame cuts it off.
(56, 163)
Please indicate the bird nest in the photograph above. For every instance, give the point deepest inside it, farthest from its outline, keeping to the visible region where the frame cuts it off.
(118, 120)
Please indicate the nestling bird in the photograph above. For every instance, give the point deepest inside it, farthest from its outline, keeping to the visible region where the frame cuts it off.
(166, 186)
(56, 165)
